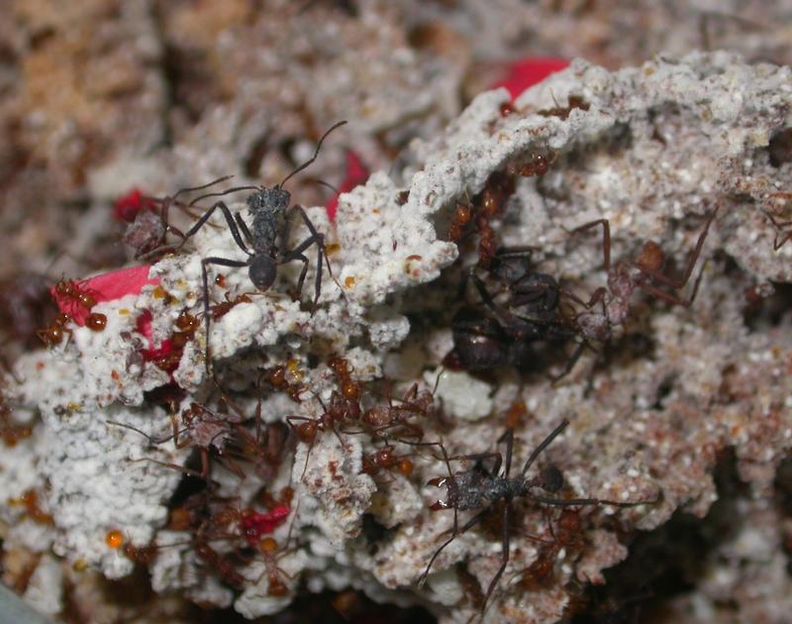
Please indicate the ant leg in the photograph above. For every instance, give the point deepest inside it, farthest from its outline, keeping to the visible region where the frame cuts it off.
(479, 458)
(573, 359)
(503, 317)
(152, 440)
(543, 445)
(188, 471)
(677, 284)
(606, 237)
(205, 278)
(579, 502)
(455, 530)
(316, 238)
(244, 228)
(505, 546)
(507, 437)
(232, 225)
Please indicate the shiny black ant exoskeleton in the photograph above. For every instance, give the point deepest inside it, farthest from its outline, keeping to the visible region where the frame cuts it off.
(481, 486)
(268, 207)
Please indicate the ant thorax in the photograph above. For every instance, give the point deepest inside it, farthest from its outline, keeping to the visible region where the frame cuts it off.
(268, 208)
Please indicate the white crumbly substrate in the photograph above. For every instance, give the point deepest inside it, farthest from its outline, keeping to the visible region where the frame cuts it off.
(653, 151)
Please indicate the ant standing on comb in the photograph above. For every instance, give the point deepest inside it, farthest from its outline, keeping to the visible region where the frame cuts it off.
(483, 485)
(265, 242)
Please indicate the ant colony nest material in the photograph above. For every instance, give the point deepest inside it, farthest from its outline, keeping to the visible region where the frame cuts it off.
(305, 443)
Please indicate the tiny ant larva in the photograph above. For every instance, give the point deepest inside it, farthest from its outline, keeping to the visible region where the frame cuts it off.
(482, 486)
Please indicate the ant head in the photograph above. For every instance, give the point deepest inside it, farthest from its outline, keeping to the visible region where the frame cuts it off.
(551, 479)
(273, 200)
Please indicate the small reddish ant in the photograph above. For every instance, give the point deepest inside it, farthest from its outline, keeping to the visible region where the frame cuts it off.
(53, 335)
(485, 207)
(381, 418)
(573, 102)
(386, 459)
(481, 486)
(568, 535)
(10, 432)
(287, 378)
(350, 388)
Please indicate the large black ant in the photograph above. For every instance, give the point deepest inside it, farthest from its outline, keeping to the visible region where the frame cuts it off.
(268, 206)
(501, 334)
(481, 487)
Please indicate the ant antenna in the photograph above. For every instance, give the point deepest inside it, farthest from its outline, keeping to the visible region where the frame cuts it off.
(316, 152)
(233, 189)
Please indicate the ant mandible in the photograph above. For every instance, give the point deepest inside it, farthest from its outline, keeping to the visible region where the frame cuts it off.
(480, 487)
(268, 207)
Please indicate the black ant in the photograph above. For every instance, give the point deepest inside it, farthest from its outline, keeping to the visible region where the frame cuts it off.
(268, 206)
(480, 487)
(624, 278)
(501, 334)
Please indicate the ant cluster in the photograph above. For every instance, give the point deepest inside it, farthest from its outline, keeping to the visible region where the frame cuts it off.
(529, 308)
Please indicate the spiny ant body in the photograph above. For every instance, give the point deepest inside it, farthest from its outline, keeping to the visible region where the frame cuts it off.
(625, 277)
(481, 487)
(268, 208)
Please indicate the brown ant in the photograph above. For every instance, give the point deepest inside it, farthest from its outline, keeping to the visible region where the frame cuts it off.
(380, 418)
(287, 378)
(148, 219)
(779, 212)
(567, 535)
(53, 335)
(624, 278)
(350, 388)
(219, 310)
(485, 207)
(11, 432)
(573, 102)
(387, 459)
(481, 487)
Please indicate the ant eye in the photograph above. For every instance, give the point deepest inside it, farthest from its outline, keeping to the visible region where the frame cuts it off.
(552, 479)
